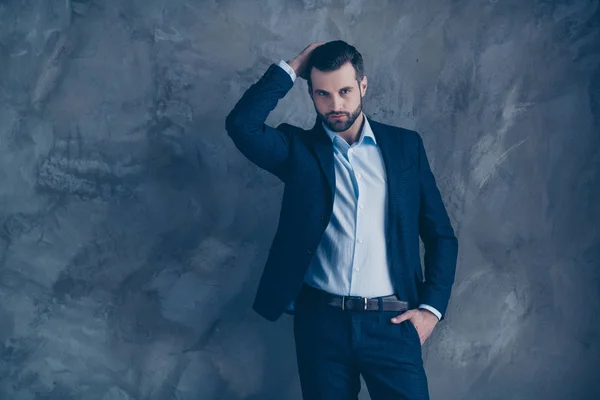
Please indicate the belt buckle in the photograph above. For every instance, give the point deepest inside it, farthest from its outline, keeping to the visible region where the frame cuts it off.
(364, 305)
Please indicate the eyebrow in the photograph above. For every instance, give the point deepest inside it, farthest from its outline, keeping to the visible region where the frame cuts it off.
(346, 87)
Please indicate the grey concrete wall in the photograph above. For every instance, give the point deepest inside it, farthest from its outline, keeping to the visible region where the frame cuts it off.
(133, 233)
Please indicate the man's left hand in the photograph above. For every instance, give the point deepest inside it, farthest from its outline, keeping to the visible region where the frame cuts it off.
(423, 320)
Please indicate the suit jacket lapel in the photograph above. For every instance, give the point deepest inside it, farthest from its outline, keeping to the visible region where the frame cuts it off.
(389, 144)
(324, 151)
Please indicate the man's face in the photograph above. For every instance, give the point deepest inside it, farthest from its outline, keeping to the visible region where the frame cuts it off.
(337, 93)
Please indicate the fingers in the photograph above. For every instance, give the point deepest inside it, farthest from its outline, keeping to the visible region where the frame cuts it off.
(306, 55)
(402, 317)
(316, 44)
(299, 62)
(308, 49)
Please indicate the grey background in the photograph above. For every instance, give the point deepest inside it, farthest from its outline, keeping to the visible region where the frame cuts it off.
(133, 233)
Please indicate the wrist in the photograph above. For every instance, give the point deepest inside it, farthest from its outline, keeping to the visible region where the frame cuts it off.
(294, 65)
(430, 313)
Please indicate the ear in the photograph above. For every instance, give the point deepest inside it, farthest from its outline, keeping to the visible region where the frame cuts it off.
(363, 85)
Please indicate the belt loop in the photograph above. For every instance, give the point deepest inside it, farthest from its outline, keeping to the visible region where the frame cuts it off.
(380, 304)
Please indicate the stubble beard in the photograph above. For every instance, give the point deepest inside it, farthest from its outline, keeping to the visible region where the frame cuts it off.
(343, 124)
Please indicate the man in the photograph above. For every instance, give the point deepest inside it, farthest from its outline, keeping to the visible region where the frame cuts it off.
(345, 258)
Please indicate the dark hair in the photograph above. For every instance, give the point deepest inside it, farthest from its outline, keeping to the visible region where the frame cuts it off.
(331, 56)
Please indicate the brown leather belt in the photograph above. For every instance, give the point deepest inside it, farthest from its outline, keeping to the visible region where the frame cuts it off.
(352, 303)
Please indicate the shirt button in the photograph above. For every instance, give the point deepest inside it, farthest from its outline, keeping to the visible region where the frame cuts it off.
(359, 175)
(359, 240)
(356, 269)
(360, 206)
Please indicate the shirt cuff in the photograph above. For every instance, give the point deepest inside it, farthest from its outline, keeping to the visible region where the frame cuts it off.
(286, 67)
(433, 310)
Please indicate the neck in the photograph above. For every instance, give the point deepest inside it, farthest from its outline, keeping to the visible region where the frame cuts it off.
(352, 134)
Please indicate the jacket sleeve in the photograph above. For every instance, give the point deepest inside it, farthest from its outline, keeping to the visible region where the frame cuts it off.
(267, 147)
(441, 245)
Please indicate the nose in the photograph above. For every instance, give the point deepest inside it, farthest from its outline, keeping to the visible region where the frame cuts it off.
(337, 106)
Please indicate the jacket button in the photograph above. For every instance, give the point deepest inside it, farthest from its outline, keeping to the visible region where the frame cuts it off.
(310, 251)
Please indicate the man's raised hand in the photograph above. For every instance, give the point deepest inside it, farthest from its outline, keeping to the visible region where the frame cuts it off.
(300, 62)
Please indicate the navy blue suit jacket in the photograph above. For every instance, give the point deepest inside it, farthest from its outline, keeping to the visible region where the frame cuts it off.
(303, 160)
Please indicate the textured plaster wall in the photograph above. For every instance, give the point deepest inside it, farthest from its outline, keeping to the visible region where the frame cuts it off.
(133, 233)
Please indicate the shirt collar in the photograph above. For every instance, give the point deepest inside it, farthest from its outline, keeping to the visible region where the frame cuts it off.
(366, 132)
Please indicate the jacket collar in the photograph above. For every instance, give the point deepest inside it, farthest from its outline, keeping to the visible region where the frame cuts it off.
(388, 141)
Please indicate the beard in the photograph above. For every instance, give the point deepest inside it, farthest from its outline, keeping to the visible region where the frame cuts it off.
(343, 124)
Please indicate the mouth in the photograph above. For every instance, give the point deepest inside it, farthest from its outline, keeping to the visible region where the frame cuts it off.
(337, 116)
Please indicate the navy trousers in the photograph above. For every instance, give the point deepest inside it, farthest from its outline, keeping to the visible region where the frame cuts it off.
(335, 346)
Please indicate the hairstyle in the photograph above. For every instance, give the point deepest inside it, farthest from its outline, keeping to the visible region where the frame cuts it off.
(331, 56)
